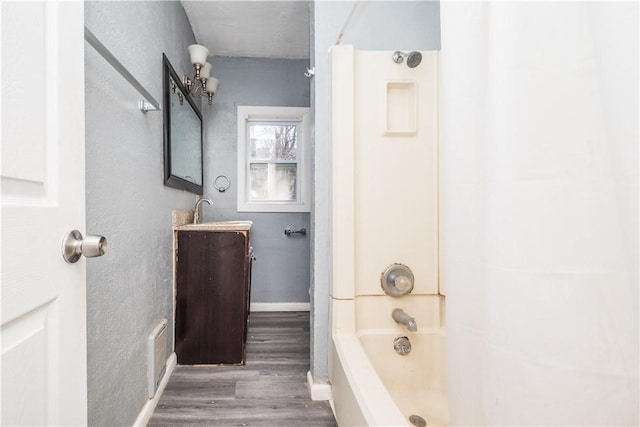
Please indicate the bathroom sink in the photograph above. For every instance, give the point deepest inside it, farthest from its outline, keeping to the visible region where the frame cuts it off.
(217, 226)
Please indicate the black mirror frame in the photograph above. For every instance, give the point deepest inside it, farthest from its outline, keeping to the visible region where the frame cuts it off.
(171, 180)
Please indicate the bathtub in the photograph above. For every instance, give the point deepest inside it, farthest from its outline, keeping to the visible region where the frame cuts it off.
(372, 385)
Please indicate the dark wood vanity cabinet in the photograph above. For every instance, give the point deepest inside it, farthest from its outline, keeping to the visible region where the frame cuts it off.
(212, 296)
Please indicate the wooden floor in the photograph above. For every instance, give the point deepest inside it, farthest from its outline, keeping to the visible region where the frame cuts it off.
(270, 390)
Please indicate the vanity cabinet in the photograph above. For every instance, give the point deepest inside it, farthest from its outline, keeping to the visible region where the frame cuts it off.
(213, 279)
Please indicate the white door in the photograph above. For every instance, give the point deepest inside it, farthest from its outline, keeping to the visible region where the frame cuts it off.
(43, 299)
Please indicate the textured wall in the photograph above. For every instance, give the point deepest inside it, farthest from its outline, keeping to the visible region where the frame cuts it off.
(281, 272)
(384, 25)
(130, 288)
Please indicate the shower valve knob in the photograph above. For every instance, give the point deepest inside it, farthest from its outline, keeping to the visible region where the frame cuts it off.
(403, 283)
(397, 280)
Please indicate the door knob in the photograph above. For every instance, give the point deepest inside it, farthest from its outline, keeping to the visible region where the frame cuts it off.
(73, 245)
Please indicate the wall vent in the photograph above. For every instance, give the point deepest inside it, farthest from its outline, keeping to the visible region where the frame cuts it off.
(157, 349)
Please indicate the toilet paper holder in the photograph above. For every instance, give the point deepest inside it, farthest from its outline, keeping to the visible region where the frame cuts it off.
(288, 232)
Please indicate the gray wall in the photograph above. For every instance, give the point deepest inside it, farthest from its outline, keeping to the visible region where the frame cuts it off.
(281, 272)
(130, 288)
(384, 25)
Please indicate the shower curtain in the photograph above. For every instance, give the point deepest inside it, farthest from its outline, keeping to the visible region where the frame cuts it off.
(539, 211)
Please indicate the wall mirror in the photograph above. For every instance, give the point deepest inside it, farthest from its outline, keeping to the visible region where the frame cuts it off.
(182, 134)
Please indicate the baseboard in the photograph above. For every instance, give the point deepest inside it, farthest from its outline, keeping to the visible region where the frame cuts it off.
(147, 410)
(318, 391)
(279, 306)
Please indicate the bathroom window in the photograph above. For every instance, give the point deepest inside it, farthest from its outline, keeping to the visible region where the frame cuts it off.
(273, 169)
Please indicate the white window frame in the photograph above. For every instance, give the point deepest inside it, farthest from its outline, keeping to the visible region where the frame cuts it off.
(248, 114)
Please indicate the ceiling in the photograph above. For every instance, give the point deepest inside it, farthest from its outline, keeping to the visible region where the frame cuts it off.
(249, 28)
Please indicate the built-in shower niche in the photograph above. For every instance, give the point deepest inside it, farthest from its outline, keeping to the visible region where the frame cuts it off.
(400, 108)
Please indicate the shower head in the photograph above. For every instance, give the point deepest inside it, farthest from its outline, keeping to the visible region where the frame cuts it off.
(413, 58)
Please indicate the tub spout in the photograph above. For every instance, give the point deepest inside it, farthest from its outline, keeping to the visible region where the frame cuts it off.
(401, 317)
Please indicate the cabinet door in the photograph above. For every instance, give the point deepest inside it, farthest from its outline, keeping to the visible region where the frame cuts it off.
(211, 297)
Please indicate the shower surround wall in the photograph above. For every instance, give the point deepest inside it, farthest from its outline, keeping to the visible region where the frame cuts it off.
(281, 272)
(375, 25)
(385, 211)
(130, 288)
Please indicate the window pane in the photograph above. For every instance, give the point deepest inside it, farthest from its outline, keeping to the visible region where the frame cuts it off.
(273, 141)
(259, 189)
(285, 188)
(273, 182)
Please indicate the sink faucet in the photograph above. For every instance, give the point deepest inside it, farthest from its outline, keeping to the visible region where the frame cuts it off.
(401, 317)
(196, 209)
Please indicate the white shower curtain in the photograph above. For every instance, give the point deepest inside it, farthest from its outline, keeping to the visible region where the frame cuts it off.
(539, 208)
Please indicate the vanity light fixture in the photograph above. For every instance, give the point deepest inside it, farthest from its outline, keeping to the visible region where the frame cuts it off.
(208, 85)
(175, 91)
